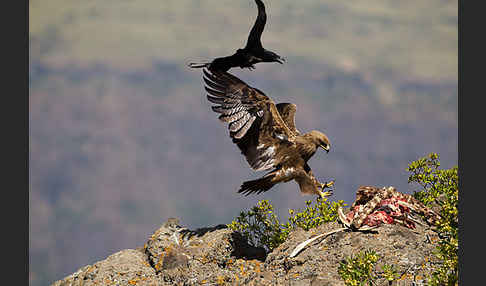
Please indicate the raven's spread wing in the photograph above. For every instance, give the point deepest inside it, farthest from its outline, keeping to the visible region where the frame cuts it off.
(254, 121)
(254, 39)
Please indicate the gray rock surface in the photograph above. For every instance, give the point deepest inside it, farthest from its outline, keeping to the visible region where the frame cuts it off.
(126, 267)
(217, 255)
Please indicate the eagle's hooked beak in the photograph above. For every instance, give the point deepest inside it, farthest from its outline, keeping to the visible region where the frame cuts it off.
(326, 147)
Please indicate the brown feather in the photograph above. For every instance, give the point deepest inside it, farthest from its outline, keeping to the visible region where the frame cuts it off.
(214, 91)
(237, 124)
(215, 99)
(245, 128)
(233, 117)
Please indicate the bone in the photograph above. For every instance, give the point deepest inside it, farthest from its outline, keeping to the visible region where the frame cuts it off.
(302, 245)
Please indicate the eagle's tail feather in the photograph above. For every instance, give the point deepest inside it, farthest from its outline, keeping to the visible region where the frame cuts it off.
(257, 186)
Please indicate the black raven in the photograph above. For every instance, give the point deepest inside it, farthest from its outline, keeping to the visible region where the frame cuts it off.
(251, 54)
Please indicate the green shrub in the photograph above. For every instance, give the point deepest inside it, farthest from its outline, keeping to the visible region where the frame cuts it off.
(314, 215)
(390, 273)
(358, 270)
(440, 187)
(261, 226)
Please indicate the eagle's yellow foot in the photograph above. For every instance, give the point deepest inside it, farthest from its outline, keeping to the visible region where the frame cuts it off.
(326, 193)
(328, 184)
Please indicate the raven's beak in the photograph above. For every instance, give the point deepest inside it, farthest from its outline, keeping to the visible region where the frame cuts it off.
(281, 60)
(326, 147)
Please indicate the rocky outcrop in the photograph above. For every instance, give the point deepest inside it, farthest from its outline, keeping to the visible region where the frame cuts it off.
(217, 255)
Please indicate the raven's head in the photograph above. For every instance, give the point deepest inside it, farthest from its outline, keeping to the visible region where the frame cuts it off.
(270, 56)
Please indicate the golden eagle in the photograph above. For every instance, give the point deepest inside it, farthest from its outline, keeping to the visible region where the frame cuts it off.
(266, 135)
(251, 54)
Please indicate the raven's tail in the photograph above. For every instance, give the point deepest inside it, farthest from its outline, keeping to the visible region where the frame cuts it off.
(258, 186)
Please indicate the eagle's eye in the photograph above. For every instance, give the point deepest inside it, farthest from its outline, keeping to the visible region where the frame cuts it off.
(325, 146)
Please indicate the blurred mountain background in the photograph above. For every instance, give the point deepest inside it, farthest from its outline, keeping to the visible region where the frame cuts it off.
(122, 136)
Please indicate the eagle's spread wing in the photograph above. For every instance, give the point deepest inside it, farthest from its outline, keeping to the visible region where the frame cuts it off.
(254, 121)
(254, 39)
(287, 112)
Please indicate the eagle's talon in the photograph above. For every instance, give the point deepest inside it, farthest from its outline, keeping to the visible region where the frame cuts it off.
(328, 184)
(325, 194)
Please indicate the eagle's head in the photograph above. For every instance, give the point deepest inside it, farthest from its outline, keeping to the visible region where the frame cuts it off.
(320, 139)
